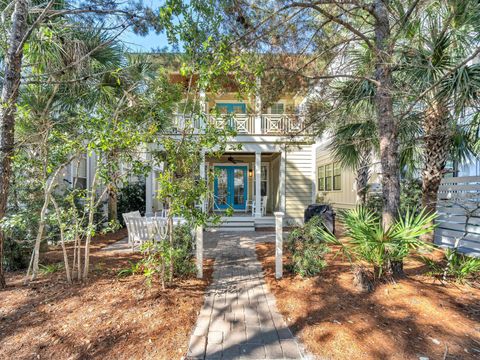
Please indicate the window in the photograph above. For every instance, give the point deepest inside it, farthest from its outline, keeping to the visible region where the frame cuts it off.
(321, 178)
(337, 177)
(277, 108)
(79, 173)
(263, 181)
(232, 108)
(329, 177)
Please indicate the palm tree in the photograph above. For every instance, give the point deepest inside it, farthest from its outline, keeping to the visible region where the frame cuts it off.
(443, 39)
(353, 144)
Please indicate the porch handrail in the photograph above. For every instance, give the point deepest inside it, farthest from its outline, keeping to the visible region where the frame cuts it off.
(244, 124)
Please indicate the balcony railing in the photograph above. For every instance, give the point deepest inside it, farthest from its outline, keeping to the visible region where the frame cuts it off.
(248, 124)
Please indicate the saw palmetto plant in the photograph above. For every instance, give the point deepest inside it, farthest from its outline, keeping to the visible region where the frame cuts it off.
(368, 243)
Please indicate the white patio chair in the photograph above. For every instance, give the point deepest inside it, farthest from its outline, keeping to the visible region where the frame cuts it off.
(162, 213)
(125, 217)
(263, 206)
(160, 228)
(138, 231)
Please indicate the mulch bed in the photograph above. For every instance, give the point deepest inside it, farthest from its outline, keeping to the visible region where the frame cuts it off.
(415, 317)
(108, 317)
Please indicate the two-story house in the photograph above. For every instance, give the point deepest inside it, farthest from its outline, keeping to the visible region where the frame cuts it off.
(274, 170)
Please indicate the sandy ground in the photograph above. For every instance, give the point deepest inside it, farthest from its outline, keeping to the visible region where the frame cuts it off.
(415, 317)
(108, 317)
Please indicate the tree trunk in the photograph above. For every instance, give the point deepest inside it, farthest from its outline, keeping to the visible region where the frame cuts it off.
(10, 89)
(38, 240)
(62, 240)
(362, 177)
(91, 213)
(387, 124)
(437, 144)
(112, 203)
(112, 193)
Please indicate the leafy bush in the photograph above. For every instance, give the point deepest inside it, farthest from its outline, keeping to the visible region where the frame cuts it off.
(307, 248)
(158, 256)
(20, 229)
(135, 268)
(131, 198)
(51, 268)
(308, 259)
(368, 242)
(455, 265)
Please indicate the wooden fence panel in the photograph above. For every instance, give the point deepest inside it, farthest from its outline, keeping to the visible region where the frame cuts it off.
(458, 208)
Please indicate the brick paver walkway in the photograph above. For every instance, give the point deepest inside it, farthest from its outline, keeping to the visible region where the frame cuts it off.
(239, 319)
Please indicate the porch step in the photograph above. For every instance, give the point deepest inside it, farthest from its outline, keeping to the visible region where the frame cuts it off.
(234, 223)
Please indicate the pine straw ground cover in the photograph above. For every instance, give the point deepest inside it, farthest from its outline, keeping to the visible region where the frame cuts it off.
(108, 317)
(415, 317)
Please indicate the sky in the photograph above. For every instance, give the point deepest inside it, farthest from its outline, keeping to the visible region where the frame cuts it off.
(152, 41)
(137, 43)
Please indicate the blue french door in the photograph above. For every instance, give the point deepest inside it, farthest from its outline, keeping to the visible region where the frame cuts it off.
(230, 187)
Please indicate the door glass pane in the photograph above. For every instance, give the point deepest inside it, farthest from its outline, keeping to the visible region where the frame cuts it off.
(239, 187)
(238, 108)
(222, 190)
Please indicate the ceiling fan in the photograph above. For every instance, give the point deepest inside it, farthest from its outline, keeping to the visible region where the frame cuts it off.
(232, 160)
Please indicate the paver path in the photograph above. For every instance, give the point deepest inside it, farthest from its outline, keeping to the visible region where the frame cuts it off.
(239, 319)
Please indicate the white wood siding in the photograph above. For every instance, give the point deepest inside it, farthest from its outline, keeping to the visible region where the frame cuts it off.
(298, 182)
(346, 198)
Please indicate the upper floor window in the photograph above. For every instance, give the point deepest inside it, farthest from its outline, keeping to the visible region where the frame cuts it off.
(232, 108)
(329, 177)
(277, 108)
(79, 173)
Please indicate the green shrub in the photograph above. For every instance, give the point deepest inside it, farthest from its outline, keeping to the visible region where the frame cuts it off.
(307, 248)
(20, 229)
(455, 265)
(308, 259)
(383, 249)
(50, 268)
(135, 268)
(158, 256)
(131, 197)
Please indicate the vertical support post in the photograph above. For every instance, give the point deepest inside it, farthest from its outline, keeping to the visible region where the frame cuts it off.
(281, 182)
(149, 188)
(258, 107)
(199, 251)
(278, 244)
(199, 229)
(203, 109)
(258, 192)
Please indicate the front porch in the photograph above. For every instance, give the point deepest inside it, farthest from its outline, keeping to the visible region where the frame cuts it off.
(249, 183)
(235, 179)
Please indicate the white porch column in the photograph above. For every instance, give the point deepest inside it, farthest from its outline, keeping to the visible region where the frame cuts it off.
(149, 188)
(203, 108)
(281, 181)
(258, 108)
(258, 176)
(278, 244)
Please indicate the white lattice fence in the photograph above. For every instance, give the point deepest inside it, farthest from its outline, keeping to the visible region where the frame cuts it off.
(458, 208)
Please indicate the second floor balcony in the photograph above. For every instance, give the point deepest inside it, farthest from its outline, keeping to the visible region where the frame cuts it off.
(248, 124)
